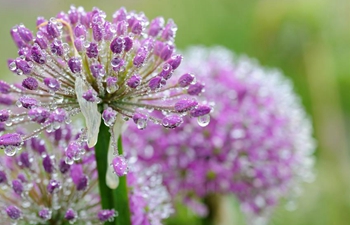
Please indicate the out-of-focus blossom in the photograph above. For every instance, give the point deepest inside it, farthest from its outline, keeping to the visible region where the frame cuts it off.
(149, 200)
(258, 144)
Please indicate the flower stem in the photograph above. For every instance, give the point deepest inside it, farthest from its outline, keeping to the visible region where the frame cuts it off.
(211, 201)
(206, 221)
(120, 196)
(101, 152)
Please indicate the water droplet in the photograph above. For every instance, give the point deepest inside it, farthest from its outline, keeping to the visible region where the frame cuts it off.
(166, 67)
(13, 66)
(112, 89)
(65, 47)
(56, 125)
(194, 80)
(203, 120)
(59, 25)
(53, 20)
(86, 44)
(120, 165)
(69, 161)
(77, 156)
(11, 150)
(68, 120)
(49, 129)
(19, 72)
(141, 124)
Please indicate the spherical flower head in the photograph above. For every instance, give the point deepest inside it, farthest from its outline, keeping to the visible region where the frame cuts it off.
(82, 63)
(258, 144)
(39, 184)
(149, 200)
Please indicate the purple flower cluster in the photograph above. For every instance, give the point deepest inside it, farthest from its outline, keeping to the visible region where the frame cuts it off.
(39, 187)
(258, 145)
(149, 200)
(78, 62)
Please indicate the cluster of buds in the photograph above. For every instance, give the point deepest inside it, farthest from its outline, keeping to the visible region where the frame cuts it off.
(258, 145)
(149, 200)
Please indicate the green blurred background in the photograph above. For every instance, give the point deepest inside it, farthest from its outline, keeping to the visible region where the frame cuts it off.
(309, 40)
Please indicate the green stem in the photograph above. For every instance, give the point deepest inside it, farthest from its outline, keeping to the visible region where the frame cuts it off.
(101, 154)
(120, 196)
(211, 202)
(206, 221)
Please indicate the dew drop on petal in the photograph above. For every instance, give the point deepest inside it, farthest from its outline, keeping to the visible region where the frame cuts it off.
(141, 124)
(90, 112)
(120, 166)
(112, 181)
(203, 121)
(13, 66)
(53, 20)
(69, 161)
(10, 150)
(59, 25)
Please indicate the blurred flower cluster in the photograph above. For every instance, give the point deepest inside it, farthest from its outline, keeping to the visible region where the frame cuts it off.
(257, 146)
(149, 199)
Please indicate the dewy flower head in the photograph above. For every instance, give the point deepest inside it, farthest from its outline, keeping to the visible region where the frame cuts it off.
(257, 146)
(149, 200)
(39, 187)
(81, 62)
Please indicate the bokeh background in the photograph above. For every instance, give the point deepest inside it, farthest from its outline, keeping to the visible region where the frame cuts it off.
(309, 40)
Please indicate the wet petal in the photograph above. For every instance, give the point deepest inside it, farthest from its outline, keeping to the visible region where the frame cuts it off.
(90, 112)
(112, 180)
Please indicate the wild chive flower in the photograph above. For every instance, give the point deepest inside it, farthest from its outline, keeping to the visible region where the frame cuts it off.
(39, 187)
(149, 200)
(257, 146)
(78, 62)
